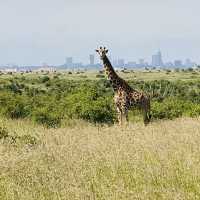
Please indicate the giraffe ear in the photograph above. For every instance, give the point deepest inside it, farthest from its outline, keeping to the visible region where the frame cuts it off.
(97, 50)
(106, 51)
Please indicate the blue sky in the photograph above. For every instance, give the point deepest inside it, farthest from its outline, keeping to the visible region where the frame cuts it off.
(37, 31)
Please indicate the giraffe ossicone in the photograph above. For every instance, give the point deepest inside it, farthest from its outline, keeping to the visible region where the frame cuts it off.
(125, 96)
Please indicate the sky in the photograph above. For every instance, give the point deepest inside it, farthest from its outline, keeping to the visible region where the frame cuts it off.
(33, 32)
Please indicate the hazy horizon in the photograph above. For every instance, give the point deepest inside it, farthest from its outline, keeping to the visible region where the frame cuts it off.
(34, 32)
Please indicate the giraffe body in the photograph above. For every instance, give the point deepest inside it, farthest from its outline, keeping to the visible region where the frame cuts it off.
(125, 96)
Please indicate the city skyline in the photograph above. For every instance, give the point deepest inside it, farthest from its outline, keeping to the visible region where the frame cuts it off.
(94, 62)
(156, 61)
(93, 59)
(33, 32)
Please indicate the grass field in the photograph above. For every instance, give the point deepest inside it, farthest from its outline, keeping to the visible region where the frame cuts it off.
(147, 75)
(160, 161)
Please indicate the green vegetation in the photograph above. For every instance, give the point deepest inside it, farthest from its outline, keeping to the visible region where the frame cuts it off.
(50, 100)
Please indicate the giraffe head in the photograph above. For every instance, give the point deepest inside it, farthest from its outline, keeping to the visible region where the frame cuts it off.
(102, 52)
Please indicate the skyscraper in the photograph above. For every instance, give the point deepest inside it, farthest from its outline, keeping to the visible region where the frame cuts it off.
(157, 60)
(178, 63)
(141, 62)
(69, 61)
(91, 59)
(121, 62)
(188, 63)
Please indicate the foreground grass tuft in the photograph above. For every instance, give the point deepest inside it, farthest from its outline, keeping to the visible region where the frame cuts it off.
(160, 161)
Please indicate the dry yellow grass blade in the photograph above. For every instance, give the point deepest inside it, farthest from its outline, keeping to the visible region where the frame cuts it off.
(160, 161)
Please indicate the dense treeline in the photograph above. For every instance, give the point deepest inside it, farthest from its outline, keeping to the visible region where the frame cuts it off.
(50, 101)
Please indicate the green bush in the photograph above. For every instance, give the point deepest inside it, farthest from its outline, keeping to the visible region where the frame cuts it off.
(168, 109)
(14, 106)
(98, 111)
(44, 79)
(46, 118)
(194, 111)
(88, 104)
(100, 76)
(48, 103)
(15, 111)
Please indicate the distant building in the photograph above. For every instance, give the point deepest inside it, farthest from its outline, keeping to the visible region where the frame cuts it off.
(169, 65)
(10, 70)
(69, 62)
(77, 65)
(188, 63)
(141, 62)
(120, 62)
(131, 64)
(157, 60)
(178, 63)
(91, 59)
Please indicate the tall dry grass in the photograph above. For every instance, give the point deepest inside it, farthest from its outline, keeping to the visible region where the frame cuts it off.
(160, 161)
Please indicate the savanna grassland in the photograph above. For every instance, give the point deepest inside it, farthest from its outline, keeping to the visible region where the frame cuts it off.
(160, 161)
(59, 138)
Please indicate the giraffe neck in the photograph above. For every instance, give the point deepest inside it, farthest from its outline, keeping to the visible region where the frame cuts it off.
(114, 79)
(111, 74)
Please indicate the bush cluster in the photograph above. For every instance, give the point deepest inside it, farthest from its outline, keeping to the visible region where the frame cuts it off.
(48, 101)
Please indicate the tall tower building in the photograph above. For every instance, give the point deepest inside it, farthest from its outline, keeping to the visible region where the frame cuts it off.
(91, 59)
(141, 62)
(178, 63)
(157, 60)
(69, 61)
(160, 58)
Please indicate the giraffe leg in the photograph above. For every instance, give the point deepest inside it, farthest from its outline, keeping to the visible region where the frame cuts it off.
(146, 116)
(120, 118)
(118, 108)
(119, 115)
(125, 113)
(126, 116)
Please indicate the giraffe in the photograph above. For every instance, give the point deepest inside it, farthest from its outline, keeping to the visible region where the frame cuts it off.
(125, 97)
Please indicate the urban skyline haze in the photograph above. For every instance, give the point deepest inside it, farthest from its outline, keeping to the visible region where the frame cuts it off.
(37, 31)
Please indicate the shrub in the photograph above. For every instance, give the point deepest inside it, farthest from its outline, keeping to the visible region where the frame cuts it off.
(177, 70)
(28, 139)
(14, 87)
(14, 107)
(16, 111)
(194, 111)
(190, 69)
(82, 76)
(98, 111)
(91, 100)
(44, 79)
(100, 76)
(3, 133)
(168, 109)
(46, 118)
(90, 104)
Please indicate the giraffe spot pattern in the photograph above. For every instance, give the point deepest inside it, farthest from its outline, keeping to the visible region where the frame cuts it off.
(125, 97)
